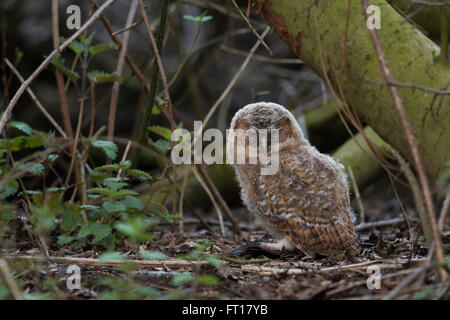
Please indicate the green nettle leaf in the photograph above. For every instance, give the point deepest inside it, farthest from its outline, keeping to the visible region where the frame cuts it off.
(108, 147)
(36, 169)
(163, 145)
(124, 193)
(155, 110)
(63, 239)
(162, 131)
(103, 191)
(87, 41)
(32, 142)
(43, 220)
(52, 157)
(208, 280)
(214, 261)
(114, 184)
(153, 255)
(98, 230)
(111, 256)
(22, 126)
(182, 278)
(142, 175)
(124, 165)
(69, 220)
(101, 47)
(59, 64)
(108, 167)
(9, 189)
(114, 206)
(148, 292)
(90, 207)
(76, 47)
(132, 202)
(102, 77)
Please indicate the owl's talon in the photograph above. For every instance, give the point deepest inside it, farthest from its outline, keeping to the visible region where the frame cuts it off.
(251, 246)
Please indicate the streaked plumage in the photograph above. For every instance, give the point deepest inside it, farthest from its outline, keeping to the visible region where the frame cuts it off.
(306, 203)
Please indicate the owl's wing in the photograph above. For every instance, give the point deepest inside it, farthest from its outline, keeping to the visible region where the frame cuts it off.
(309, 203)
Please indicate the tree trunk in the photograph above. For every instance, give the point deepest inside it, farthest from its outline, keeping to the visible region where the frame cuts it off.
(410, 55)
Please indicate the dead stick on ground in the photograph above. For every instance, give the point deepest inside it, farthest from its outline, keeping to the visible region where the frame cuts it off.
(49, 58)
(411, 142)
(97, 262)
(351, 267)
(375, 224)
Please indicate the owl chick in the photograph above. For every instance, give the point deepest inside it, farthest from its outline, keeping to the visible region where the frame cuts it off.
(305, 204)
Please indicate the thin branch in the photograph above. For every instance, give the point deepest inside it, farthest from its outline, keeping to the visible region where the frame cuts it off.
(64, 105)
(120, 63)
(49, 58)
(376, 224)
(430, 4)
(408, 85)
(213, 199)
(10, 280)
(97, 262)
(35, 99)
(219, 198)
(251, 27)
(362, 216)
(444, 212)
(410, 140)
(235, 78)
(166, 91)
(262, 58)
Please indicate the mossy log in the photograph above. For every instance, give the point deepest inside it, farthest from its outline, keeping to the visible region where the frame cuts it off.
(354, 154)
(316, 33)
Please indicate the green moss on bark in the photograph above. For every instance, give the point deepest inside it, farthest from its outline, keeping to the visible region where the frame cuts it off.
(410, 56)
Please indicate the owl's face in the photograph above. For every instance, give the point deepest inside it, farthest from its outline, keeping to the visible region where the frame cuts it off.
(259, 133)
(268, 116)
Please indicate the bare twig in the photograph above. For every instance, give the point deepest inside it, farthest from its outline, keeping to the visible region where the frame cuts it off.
(120, 63)
(10, 280)
(431, 4)
(96, 262)
(213, 199)
(219, 198)
(418, 197)
(443, 213)
(409, 85)
(59, 77)
(49, 58)
(262, 58)
(376, 224)
(166, 95)
(411, 142)
(251, 27)
(356, 267)
(35, 99)
(235, 78)
(362, 216)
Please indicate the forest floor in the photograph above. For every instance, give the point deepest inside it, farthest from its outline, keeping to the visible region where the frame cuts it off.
(390, 265)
